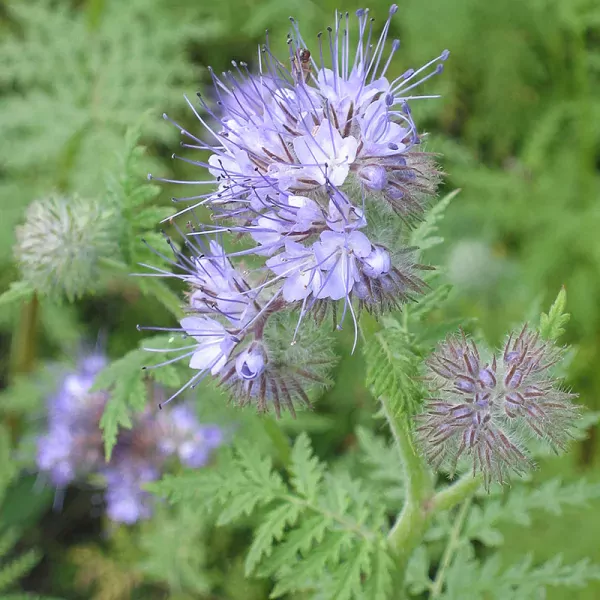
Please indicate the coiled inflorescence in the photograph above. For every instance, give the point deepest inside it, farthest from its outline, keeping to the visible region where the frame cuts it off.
(308, 162)
(72, 448)
(485, 408)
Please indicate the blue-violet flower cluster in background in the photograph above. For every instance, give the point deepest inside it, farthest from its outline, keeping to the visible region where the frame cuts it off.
(72, 448)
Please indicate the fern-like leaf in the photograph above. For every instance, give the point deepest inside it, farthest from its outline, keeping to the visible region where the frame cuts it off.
(552, 324)
(552, 497)
(319, 531)
(306, 470)
(392, 367)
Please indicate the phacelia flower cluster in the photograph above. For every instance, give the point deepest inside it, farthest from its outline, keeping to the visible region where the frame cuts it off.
(72, 448)
(485, 408)
(309, 156)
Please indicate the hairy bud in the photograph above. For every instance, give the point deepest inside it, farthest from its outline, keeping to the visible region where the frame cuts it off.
(485, 408)
(61, 242)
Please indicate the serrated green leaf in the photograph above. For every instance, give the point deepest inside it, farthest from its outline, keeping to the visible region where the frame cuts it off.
(378, 584)
(348, 577)
(243, 503)
(417, 571)
(552, 324)
(392, 367)
(551, 497)
(385, 474)
(302, 574)
(311, 531)
(424, 236)
(305, 469)
(150, 217)
(270, 531)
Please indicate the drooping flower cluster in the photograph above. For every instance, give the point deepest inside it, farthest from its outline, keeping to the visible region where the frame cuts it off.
(483, 408)
(304, 159)
(72, 448)
(239, 333)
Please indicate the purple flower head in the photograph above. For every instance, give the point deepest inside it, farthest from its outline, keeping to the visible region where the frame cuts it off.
(73, 442)
(303, 159)
(72, 448)
(483, 407)
(300, 129)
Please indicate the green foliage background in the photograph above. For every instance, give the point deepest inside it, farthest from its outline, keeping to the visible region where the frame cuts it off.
(82, 82)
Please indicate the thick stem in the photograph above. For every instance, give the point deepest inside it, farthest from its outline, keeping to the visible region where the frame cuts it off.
(421, 502)
(24, 345)
(411, 524)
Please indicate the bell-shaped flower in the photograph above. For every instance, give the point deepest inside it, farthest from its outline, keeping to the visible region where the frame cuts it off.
(214, 343)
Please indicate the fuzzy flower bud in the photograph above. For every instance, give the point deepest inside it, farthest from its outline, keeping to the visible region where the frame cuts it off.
(61, 242)
(374, 177)
(483, 407)
(250, 363)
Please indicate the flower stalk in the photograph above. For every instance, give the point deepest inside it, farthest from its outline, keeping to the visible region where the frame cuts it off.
(411, 524)
(24, 344)
(422, 503)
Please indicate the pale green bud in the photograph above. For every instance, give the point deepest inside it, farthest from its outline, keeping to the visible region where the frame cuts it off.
(61, 243)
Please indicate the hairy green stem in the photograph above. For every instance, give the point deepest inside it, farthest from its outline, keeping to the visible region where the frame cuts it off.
(422, 503)
(449, 497)
(451, 547)
(412, 522)
(24, 344)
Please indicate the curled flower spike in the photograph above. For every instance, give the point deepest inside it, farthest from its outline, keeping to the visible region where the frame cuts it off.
(236, 331)
(483, 407)
(304, 157)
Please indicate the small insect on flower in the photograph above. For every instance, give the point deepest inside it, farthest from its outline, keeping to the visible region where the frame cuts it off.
(485, 408)
(301, 65)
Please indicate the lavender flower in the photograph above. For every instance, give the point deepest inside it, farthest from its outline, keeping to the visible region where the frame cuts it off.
(304, 159)
(72, 448)
(246, 341)
(484, 407)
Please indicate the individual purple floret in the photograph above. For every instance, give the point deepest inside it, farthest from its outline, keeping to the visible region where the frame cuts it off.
(72, 448)
(483, 407)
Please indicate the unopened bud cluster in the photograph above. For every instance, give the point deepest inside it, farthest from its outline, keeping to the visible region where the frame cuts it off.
(307, 161)
(61, 242)
(484, 408)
